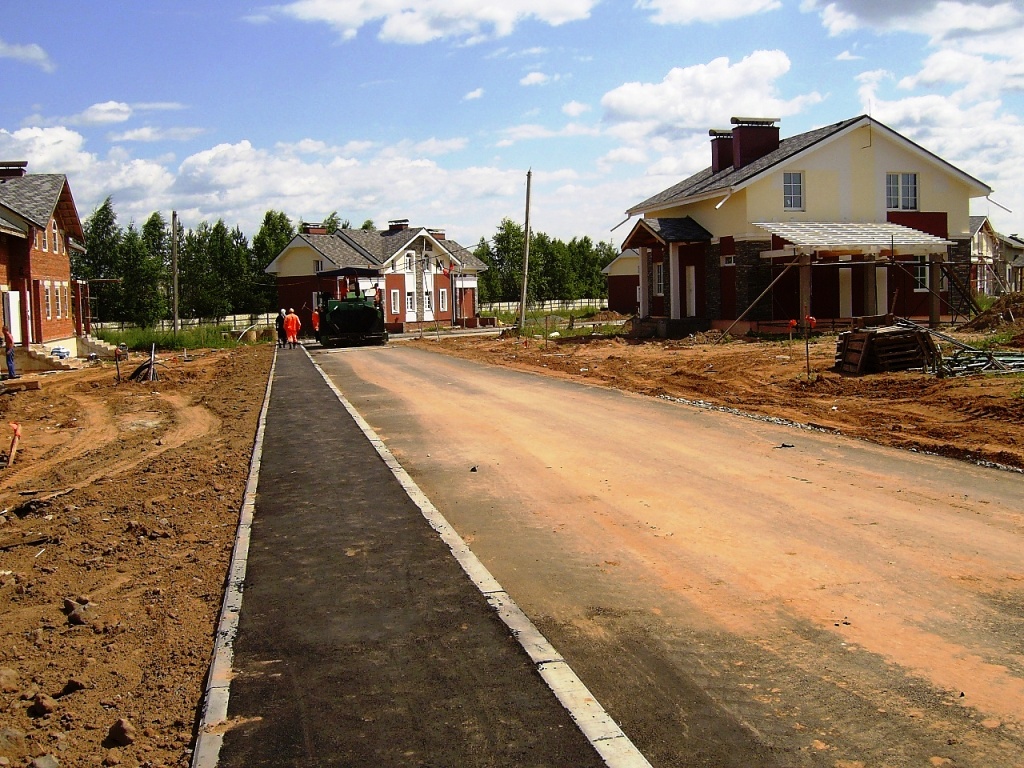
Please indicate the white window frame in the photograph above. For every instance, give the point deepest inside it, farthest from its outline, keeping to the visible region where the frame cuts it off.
(729, 260)
(46, 238)
(396, 301)
(56, 288)
(428, 301)
(902, 192)
(410, 301)
(793, 190)
(659, 278)
(48, 298)
(428, 246)
(56, 240)
(410, 258)
(922, 278)
(442, 300)
(318, 265)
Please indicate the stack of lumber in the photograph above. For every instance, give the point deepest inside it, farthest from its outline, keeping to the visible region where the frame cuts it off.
(890, 348)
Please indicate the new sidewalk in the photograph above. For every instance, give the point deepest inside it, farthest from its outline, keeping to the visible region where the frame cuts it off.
(361, 641)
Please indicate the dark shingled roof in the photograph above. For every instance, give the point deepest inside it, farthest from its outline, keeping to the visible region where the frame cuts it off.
(977, 222)
(706, 182)
(684, 230)
(33, 196)
(373, 247)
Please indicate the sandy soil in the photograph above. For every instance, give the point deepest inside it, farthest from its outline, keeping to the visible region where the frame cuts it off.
(118, 517)
(976, 418)
(120, 509)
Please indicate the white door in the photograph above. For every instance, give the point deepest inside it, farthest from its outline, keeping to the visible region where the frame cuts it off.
(691, 291)
(12, 314)
(846, 292)
(881, 290)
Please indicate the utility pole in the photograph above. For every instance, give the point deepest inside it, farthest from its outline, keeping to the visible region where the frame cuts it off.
(174, 272)
(526, 256)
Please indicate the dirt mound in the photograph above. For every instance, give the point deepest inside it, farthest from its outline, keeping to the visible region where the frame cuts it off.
(1008, 310)
(117, 521)
(606, 315)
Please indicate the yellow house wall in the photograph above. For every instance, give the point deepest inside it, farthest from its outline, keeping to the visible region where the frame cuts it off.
(844, 180)
(625, 266)
(299, 262)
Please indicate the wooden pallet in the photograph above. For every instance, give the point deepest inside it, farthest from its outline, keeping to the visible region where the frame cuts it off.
(890, 348)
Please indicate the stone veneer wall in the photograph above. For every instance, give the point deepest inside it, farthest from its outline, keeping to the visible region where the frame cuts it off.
(753, 275)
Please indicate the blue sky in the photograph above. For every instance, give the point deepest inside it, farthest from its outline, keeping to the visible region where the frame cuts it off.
(434, 110)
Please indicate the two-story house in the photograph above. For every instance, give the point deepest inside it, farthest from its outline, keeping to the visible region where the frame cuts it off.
(420, 275)
(39, 227)
(845, 221)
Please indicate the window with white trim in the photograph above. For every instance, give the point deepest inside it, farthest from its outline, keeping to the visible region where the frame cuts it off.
(901, 191)
(409, 261)
(428, 246)
(428, 302)
(48, 298)
(442, 300)
(57, 297)
(396, 301)
(55, 238)
(729, 260)
(410, 301)
(46, 238)
(318, 265)
(659, 278)
(920, 272)
(793, 190)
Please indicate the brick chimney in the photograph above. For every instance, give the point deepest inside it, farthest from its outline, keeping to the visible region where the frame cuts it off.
(12, 169)
(397, 225)
(721, 150)
(437, 233)
(753, 138)
(313, 229)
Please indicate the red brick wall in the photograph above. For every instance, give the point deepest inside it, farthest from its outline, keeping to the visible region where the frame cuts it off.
(50, 267)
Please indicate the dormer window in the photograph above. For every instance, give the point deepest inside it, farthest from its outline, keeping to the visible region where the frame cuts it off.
(793, 191)
(901, 191)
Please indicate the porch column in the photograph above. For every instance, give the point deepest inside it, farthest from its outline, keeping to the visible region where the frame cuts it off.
(645, 262)
(870, 288)
(805, 288)
(673, 280)
(934, 285)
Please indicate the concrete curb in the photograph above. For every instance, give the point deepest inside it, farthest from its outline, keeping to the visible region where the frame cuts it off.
(218, 679)
(597, 726)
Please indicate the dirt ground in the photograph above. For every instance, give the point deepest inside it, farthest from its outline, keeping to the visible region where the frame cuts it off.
(975, 418)
(118, 518)
(119, 512)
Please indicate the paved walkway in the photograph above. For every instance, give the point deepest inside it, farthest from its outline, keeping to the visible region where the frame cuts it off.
(361, 641)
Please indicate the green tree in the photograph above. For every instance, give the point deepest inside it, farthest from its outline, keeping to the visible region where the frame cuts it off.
(333, 223)
(368, 224)
(274, 234)
(143, 300)
(504, 259)
(100, 264)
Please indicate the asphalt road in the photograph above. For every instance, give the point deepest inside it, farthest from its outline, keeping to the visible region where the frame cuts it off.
(735, 593)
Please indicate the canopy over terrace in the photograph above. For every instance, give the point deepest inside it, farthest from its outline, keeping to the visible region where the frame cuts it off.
(808, 239)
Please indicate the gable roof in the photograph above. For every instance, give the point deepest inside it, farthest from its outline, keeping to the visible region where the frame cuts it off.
(373, 248)
(666, 230)
(705, 183)
(36, 197)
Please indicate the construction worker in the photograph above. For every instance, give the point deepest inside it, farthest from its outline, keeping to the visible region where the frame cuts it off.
(9, 349)
(316, 323)
(282, 338)
(292, 324)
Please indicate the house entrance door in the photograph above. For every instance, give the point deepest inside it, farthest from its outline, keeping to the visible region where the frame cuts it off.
(12, 314)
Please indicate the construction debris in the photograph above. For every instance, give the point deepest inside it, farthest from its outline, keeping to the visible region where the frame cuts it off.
(890, 348)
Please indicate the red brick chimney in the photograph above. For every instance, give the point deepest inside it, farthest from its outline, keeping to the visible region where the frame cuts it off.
(437, 233)
(11, 169)
(753, 138)
(397, 225)
(721, 150)
(313, 229)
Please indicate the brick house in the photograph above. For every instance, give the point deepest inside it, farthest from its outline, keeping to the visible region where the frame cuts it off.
(845, 221)
(422, 276)
(623, 278)
(39, 227)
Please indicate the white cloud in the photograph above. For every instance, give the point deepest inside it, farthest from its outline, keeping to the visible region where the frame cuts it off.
(847, 56)
(705, 96)
(103, 114)
(532, 132)
(575, 108)
(430, 20)
(433, 147)
(29, 54)
(535, 78)
(477, 93)
(691, 11)
(150, 134)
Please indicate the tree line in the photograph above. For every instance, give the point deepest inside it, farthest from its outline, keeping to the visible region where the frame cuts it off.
(221, 273)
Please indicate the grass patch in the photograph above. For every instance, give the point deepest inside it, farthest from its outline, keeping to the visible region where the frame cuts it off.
(142, 339)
